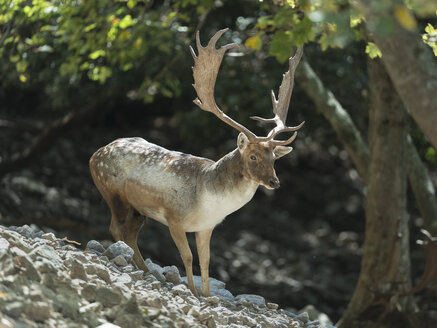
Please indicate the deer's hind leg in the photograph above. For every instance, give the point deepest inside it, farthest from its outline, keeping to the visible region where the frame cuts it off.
(126, 223)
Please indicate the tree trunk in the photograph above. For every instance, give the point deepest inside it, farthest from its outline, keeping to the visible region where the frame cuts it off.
(385, 266)
(411, 66)
(351, 138)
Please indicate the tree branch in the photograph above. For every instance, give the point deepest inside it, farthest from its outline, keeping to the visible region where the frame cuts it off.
(351, 138)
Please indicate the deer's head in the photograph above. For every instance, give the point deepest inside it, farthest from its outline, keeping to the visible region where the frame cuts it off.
(258, 153)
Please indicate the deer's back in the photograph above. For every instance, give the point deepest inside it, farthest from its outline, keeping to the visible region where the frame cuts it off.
(157, 182)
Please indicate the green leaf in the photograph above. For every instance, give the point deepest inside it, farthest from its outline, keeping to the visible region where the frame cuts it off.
(126, 22)
(373, 51)
(96, 54)
(254, 42)
(22, 65)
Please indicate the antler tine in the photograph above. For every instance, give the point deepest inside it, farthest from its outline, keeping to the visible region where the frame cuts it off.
(281, 105)
(284, 96)
(205, 70)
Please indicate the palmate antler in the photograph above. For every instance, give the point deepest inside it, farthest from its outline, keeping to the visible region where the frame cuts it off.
(205, 70)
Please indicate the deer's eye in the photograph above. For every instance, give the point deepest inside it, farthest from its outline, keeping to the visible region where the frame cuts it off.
(253, 157)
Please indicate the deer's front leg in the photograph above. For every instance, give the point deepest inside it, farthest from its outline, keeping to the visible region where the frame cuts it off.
(180, 238)
(202, 241)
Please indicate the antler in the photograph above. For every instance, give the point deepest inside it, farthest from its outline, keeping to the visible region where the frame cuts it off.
(205, 70)
(281, 105)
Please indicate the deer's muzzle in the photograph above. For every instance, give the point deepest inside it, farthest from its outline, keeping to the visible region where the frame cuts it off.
(274, 183)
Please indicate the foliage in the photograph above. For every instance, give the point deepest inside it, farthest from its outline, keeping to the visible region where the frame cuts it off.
(331, 23)
(74, 42)
(430, 37)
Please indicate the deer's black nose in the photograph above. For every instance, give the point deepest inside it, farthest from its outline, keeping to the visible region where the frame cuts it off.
(274, 183)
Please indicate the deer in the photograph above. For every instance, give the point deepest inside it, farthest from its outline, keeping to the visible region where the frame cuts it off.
(140, 180)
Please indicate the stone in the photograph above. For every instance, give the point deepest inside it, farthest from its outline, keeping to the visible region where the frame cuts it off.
(49, 236)
(100, 270)
(4, 243)
(223, 294)
(181, 290)
(108, 325)
(78, 271)
(119, 248)
(47, 252)
(314, 314)
(126, 279)
(15, 239)
(119, 260)
(92, 307)
(26, 231)
(6, 263)
(137, 275)
(38, 311)
(89, 292)
(107, 296)
(95, 246)
(254, 299)
(22, 260)
(171, 274)
(155, 270)
(14, 309)
(45, 266)
(213, 300)
(272, 306)
(303, 317)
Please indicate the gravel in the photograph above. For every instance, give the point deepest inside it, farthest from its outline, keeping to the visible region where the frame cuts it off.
(46, 282)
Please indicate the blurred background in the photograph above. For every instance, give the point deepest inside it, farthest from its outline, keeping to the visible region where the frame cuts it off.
(75, 75)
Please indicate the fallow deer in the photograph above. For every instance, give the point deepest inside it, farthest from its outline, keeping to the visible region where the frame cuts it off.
(139, 179)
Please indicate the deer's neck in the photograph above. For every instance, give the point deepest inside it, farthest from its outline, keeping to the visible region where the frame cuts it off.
(226, 176)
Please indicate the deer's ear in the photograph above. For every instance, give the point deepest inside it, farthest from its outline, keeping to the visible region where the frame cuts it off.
(242, 141)
(280, 151)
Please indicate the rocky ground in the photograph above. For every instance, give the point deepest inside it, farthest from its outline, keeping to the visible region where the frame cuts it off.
(46, 281)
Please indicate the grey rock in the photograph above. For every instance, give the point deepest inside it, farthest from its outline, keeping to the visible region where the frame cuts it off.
(15, 239)
(155, 270)
(254, 299)
(92, 307)
(67, 300)
(303, 317)
(78, 271)
(6, 263)
(36, 293)
(4, 243)
(272, 306)
(181, 290)
(49, 236)
(95, 246)
(38, 311)
(100, 270)
(128, 268)
(14, 309)
(119, 260)
(119, 248)
(89, 292)
(108, 325)
(137, 275)
(26, 231)
(71, 256)
(223, 294)
(47, 252)
(45, 266)
(171, 274)
(125, 279)
(23, 261)
(107, 296)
